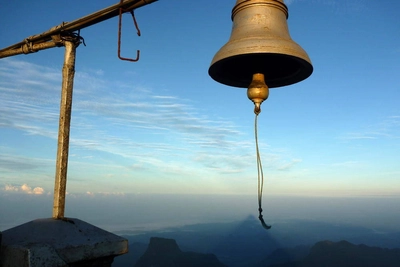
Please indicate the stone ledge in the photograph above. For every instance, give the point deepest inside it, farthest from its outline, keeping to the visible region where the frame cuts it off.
(59, 243)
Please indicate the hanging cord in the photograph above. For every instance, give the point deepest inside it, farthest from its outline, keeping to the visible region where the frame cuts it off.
(260, 177)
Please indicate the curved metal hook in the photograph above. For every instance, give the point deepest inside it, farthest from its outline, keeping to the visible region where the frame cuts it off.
(119, 35)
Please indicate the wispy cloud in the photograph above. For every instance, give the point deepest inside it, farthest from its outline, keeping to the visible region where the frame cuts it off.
(147, 130)
(288, 165)
(348, 164)
(92, 194)
(29, 97)
(129, 125)
(14, 163)
(388, 128)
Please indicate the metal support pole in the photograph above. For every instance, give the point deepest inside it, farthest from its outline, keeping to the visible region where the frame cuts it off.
(64, 128)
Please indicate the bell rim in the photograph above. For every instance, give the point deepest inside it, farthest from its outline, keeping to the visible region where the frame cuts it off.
(304, 71)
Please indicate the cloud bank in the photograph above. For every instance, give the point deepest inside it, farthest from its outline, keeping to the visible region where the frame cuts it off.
(25, 188)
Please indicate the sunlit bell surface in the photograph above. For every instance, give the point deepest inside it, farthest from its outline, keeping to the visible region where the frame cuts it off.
(260, 43)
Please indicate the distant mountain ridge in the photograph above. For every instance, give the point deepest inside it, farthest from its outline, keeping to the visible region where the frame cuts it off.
(246, 244)
(164, 252)
(345, 254)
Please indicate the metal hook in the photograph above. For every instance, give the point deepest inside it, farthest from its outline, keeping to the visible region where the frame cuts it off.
(119, 35)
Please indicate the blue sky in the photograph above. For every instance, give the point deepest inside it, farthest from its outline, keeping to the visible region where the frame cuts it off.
(162, 125)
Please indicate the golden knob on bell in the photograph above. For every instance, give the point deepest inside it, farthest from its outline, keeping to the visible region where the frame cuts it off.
(258, 91)
(260, 43)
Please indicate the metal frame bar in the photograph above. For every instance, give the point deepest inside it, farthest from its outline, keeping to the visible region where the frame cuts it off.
(99, 16)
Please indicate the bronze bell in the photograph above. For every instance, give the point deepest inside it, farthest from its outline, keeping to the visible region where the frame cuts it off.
(260, 43)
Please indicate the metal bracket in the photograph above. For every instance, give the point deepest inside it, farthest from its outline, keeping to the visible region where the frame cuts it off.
(119, 34)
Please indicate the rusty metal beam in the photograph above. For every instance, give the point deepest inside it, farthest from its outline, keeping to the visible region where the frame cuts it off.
(28, 48)
(40, 40)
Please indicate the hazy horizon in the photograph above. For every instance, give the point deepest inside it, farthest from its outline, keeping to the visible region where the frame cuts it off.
(143, 212)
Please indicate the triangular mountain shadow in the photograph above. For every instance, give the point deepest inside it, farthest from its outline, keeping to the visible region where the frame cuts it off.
(164, 252)
(236, 250)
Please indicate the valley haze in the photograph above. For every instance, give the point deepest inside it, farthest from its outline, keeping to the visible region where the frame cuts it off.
(144, 212)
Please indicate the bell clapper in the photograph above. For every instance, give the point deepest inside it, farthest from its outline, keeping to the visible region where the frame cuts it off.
(257, 91)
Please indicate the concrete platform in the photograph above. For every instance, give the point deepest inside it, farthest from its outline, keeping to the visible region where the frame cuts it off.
(59, 243)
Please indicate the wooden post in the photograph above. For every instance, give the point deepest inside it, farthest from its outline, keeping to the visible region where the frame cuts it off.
(64, 129)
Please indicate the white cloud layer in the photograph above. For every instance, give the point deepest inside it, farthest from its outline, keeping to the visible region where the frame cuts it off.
(25, 188)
